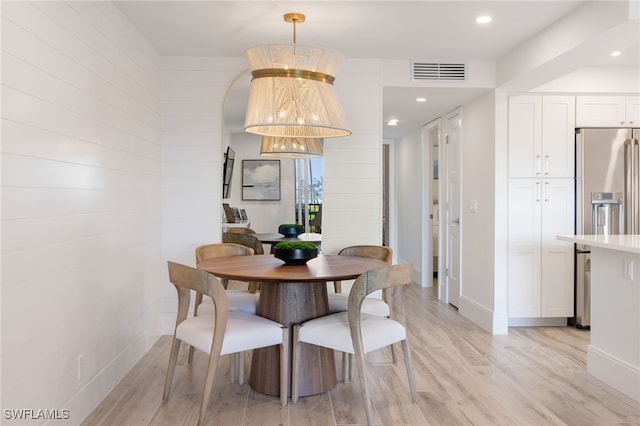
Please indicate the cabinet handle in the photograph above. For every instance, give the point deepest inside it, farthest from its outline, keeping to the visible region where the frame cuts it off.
(631, 122)
(622, 122)
(537, 165)
(537, 192)
(546, 165)
(546, 191)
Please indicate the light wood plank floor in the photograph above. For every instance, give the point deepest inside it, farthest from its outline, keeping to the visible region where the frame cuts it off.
(464, 376)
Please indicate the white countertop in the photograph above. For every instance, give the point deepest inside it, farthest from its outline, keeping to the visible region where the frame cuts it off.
(628, 243)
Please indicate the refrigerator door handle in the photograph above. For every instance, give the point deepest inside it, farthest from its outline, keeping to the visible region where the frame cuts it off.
(635, 191)
(631, 185)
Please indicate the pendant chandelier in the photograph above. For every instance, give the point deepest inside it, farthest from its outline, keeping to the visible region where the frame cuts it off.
(292, 93)
(291, 147)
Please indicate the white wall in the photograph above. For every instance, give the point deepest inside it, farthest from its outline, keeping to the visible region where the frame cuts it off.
(409, 182)
(193, 90)
(478, 163)
(81, 180)
(596, 80)
(352, 198)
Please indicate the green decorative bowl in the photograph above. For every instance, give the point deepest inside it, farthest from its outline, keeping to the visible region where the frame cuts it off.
(290, 230)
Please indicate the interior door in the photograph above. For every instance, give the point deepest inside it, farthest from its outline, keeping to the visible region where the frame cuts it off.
(427, 214)
(454, 226)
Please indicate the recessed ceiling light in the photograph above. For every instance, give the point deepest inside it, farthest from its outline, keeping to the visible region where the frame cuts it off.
(392, 122)
(483, 19)
(421, 99)
(616, 53)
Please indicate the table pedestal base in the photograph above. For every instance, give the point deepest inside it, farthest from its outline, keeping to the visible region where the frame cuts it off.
(289, 304)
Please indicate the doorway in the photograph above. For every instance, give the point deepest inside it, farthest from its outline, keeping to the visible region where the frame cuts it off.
(430, 138)
(453, 212)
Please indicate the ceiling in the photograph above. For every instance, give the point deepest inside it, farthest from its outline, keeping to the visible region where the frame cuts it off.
(395, 30)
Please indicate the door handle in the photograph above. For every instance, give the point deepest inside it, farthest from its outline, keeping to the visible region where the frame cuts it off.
(456, 221)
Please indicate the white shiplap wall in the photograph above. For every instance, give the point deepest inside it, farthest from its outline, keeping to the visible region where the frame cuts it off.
(193, 90)
(352, 200)
(81, 203)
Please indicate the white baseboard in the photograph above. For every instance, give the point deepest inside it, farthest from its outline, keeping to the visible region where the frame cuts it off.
(614, 372)
(485, 318)
(95, 391)
(537, 322)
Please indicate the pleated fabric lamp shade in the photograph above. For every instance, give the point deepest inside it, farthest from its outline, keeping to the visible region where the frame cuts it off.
(292, 93)
(291, 147)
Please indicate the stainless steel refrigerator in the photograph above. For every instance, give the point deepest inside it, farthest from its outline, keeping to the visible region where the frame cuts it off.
(607, 198)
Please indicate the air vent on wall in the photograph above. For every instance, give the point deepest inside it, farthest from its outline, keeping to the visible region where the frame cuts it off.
(437, 71)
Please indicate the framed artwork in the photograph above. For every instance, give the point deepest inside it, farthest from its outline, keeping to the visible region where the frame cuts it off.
(229, 158)
(243, 215)
(261, 180)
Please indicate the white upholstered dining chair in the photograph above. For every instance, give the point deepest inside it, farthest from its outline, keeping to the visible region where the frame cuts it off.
(223, 332)
(239, 300)
(358, 333)
(371, 305)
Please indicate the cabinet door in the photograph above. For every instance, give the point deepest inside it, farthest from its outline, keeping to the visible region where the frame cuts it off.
(558, 136)
(525, 136)
(633, 111)
(557, 218)
(524, 247)
(600, 111)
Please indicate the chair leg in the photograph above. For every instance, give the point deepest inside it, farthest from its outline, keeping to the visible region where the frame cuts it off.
(190, 357)
(295, 361)
(208, 385)
(233, 360)
(394, 357)
(337, 286)
(284, 367)
(362, 370)
(241, 369)
(173, 358)
(407, 362)
(345, 366)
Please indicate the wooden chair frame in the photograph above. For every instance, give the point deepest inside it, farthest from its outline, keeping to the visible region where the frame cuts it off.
(215, 250)
(394, 278)
(185, 279)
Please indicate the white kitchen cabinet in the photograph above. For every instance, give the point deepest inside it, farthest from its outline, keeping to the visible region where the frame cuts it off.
(608, 111)
(541, 136)
(633, 111)
(540, 266)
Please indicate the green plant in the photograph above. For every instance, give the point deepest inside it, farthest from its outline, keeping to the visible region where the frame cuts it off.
(292, 245)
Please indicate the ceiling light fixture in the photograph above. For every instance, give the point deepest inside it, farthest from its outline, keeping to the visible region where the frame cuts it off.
(291, 147)
(421, 99)
(616, 53)
(483, 19)
(292, 93)
(392, 122)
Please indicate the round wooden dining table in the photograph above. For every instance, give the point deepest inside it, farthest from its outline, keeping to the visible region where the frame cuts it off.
(292, 294)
